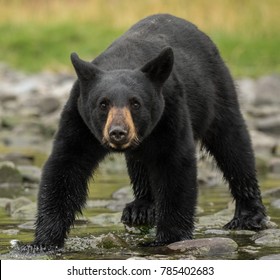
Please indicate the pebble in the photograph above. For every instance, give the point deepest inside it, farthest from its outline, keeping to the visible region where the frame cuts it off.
(271, 257)
(18, 158)
(276, 203)
(104, 241)
(246, 89)
(268, 238)
(205, 246)
(269, 124)
(9, 174)
(217, 232)
(4, 202)
(107, 219)
(263, 144)
(13, 205)
(275, 193)
(267, 90)
(10, 231)
(28, 225)
(124, 193)
(31, 174)
(218, 219)
(26, 212)
(111, 240)
(274, 165)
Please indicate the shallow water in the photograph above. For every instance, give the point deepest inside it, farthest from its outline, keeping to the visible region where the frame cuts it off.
(211, 200)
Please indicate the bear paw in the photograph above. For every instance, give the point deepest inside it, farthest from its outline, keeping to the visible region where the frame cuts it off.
(249, 222)
(139, 212)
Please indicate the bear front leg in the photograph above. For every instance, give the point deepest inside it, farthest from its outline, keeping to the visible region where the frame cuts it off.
(174, 183)
(62, 195)
(63, 187)
(141, 211)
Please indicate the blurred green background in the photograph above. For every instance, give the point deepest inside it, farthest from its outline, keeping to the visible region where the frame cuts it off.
(40, 34)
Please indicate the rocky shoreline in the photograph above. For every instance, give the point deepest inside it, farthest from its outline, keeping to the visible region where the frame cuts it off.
(30, 106)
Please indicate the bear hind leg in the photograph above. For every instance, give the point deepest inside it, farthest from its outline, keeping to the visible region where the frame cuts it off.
(229, 142)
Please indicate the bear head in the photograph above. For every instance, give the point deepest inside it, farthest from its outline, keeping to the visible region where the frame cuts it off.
(121, 107)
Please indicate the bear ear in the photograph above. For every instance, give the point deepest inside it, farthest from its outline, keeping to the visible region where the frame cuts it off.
(84, 70)
(159, 68)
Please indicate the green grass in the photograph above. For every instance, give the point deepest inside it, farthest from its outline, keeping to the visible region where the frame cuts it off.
(249, 56)
(38, 34)
(33, 47)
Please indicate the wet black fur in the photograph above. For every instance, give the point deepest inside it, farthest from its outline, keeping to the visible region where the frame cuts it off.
(186, 94)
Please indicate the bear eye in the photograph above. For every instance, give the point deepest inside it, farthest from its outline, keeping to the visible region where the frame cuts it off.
(135, 104)
(103, 105)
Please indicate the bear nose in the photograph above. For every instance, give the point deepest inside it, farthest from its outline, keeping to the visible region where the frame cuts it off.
(118, 135)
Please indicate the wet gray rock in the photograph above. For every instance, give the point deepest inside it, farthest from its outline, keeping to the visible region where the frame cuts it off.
(223, 232)
(263, 111)
(30, 173)
(21, 87)
(136, 258)
(242, 232)
(99, 203)
(218, 219)
(113, 164)
(10, 231)
(276, 203)
(207, 172)
(262, 143)
(9, 174)
(274, 166)
(111, 240)
(246, 90)
(13, 205)
(205, 246)
(272, 193)
(107, 219)
(37, 100)
(124, 194)
(271, 257)
(269, 124)
(27, 226)
(104, 241)
(120, 198)
(18, 158)
(48, 105)
(217, 232)
(4, 202)
(268, 238)
(118, 205)
(249, 250)
(80, 244)
(268, 90)
(26, 212)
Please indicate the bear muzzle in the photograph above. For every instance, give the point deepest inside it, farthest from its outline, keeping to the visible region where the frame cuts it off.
(118, 135)
(119, 132)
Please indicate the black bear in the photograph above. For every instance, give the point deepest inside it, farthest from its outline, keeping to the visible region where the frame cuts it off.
(152, 94)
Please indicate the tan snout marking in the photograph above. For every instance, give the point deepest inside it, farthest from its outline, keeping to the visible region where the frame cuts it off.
(122, 117)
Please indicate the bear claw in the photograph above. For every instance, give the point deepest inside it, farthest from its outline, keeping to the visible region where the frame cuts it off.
(257, 222)
(139, 213)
